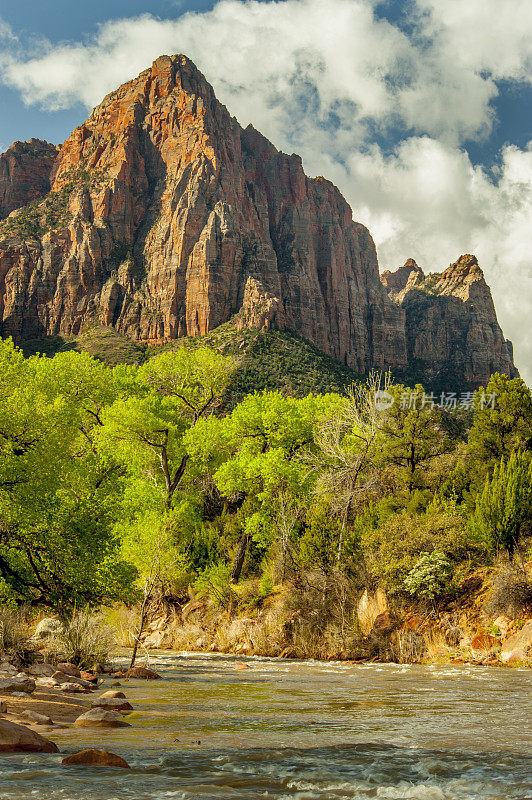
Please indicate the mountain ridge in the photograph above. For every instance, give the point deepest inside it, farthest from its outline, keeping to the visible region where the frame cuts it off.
(167, 219)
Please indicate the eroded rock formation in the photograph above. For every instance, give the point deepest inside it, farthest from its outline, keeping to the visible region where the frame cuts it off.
(25, 170)
(453, 337)
(166, 218)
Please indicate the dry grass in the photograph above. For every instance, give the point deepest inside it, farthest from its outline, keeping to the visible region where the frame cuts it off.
(86, 640)
(122, 621)
(437, 650)
(14, 633)
(409, 647)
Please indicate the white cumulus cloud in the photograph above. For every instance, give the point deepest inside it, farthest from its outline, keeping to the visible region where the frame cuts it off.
(383, 110)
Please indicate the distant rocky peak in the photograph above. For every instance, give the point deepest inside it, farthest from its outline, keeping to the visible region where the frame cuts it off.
(465, 280)
(25, 170)
(167, 219)
(403, 279)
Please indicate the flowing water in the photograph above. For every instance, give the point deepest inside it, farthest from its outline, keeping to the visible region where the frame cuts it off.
(305, 730)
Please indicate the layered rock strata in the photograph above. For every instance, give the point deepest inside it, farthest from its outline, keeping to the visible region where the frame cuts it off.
(452, 333)
(165, 219)
(25, 170)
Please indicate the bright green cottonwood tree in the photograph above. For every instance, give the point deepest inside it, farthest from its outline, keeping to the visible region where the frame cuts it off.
(145, 430)
(255, 453)
(58, 500)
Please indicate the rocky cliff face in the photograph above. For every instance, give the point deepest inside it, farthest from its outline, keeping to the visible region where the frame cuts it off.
(25, 170)
(166, 218)
(453, 337)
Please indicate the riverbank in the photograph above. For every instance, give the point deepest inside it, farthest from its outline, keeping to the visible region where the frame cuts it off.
(291, 623)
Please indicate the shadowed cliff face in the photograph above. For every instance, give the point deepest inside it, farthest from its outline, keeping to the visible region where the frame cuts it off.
(25, 174)
(166, 219)
(453, 337)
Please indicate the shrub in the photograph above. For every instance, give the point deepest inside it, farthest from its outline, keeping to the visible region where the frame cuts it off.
(429, 576)
(318, 546)
(393, 549)
(511, 593)
(267, 585)
(85, 640)
(14, 637)
(504, 506)
(214, 582)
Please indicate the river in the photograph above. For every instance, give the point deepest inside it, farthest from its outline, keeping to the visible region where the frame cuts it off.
(305, 730)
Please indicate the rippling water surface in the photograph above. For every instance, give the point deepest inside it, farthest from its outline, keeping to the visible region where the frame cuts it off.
(304, 730)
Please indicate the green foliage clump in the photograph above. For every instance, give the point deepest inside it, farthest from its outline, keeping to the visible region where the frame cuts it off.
(318, 546)
(394, 546)
(214, 583)
(429, 577)
(502, 422)
(154, 479)
(504, 506)
(271, 360)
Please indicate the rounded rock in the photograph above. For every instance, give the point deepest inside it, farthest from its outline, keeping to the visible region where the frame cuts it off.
(19, 739)
(100, 718)
(95, 758)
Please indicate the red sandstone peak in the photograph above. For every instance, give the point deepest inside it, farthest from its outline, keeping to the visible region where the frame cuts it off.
(167, 219)
(465, 267)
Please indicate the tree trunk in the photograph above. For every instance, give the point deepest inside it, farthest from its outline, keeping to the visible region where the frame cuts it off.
(140, 630)
(238, 563)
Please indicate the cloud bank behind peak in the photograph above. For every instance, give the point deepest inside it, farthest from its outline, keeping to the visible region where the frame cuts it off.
(384, 108)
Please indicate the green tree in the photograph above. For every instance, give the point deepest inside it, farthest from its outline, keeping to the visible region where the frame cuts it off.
(502, 421)
(413, 435)
(504, 506)
(58, 499)
(254, 453)
(347, 457)
(318, 546)
(145, 430)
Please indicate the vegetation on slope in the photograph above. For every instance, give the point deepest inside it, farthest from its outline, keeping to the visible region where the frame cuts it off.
(265, 359)
(109, 476)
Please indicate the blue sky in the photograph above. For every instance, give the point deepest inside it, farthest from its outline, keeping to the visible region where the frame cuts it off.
(419, 110)
(64, 20)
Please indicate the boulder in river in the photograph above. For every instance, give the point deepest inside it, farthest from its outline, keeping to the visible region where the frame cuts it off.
(7, 669)
(114, 693)
(100, 718)
(69, 669)
(17, 683)
(88, 676)
(62, 677)
(142, 672)
(19, 739)
(38, 719)
(73, 688)
(42, 670)
(518, 648)
(95, 758)
(113, 704)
